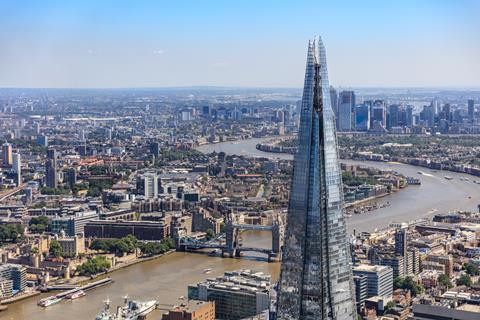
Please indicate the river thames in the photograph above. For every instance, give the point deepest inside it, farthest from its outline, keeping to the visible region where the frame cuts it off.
(166, 279)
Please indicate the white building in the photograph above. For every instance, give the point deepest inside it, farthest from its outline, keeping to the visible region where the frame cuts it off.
(150, 186)
(17, 167)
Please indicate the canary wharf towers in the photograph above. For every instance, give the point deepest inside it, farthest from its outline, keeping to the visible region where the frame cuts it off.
(316, 280)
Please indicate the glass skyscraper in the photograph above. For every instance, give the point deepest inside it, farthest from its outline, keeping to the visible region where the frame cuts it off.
(316, 280)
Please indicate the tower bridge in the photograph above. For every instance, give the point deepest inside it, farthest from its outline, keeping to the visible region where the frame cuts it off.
(232, 246)
(232, 236)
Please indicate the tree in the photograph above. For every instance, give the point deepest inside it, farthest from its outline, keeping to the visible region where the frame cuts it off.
(39, 224)
(464, 280)
(11, 232)
(471, 268)
(409, 284)
(121, 246)
(388, 306)
(444, 280)
(55, 249)
(153, 248)
(93, 266)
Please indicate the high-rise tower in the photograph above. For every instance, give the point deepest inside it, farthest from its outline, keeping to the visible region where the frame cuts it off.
(316, 279)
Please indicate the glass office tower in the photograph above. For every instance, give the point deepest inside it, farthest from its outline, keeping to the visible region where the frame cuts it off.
(316, 280)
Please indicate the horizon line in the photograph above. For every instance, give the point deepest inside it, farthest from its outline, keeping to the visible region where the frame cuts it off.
(469, 87)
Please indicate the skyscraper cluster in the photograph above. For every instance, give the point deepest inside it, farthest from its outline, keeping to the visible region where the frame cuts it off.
(379, 116)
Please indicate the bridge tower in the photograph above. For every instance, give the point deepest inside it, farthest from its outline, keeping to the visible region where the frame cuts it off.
(277, 240)
(231, 236)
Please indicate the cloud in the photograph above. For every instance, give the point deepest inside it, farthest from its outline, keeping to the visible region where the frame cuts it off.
(159, 51)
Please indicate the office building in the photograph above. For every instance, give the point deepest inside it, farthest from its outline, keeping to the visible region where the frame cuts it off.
(108, 134)
(346, 104)
(393, 112)
(150, 185)
(379, 279)
(192, 310)
(6, 288)
(74, 224)
(17, 167)
(361, 289)
(362, 117)
(471, 110)
(378, 114)
(447, 112)
(42, 140)
(155, 149)
(396, 262)
(316, 280)
(410, 119)
(13, 279)
(441, 263)
(206, 110)
(71, 177)
(51, 175)
(440, 312)
(81, 135)
(7, 158)
(142, 230)
(237, 294)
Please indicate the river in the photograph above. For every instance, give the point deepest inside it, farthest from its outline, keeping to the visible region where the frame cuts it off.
(435, 194)
(165, 279)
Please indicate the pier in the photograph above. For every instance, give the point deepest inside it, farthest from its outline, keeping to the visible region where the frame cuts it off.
(88, 286)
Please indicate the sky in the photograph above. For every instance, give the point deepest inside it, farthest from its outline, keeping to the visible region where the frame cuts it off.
(247, 43)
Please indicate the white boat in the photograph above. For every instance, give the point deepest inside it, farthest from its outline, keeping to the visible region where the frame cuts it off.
(135, 309)
(448, 177)
(76, 295)
(49, 301)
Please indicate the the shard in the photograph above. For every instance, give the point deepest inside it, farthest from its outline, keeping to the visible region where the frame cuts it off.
(316, 279)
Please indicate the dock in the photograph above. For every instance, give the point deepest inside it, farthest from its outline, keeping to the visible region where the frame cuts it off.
(86, 287)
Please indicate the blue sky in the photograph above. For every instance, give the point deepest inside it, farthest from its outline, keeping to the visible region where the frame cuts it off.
(237, 43)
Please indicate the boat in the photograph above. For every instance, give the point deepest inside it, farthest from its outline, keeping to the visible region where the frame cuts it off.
(419, 172)
(132, 310)
(105, 314)
(207, 270)
(136, 309)
(49, 301)
(448, 178)
(76, 295)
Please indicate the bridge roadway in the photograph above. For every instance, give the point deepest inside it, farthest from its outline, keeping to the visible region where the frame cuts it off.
(261, 250)
(10, 193)
(252, 227)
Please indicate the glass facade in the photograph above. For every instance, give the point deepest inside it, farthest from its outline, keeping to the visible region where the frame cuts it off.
(316, 281)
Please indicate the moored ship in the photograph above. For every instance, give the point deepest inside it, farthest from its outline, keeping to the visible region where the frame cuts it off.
(49, 301)
(132, 310)
(76, 295)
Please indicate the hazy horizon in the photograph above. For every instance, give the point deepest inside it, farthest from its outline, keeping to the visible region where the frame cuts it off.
(250, 44)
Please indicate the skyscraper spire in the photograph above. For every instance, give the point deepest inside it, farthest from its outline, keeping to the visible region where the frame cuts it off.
(316, 281)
